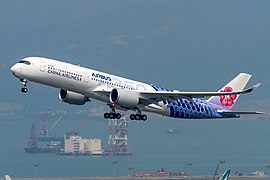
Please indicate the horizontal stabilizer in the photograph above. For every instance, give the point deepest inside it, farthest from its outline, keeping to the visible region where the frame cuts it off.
(241, 112)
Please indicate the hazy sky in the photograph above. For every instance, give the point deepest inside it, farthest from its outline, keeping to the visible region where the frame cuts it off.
(185, 45)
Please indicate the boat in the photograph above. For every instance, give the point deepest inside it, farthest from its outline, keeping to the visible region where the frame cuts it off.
(258, 173)
(52, 147)
(170, 130)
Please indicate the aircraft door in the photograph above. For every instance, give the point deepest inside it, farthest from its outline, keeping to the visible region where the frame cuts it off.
(86, 77)
(42, 66)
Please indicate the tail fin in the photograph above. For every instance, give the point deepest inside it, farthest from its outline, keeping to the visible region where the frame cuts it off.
(237, 84)
(226, 175)
(7, 177)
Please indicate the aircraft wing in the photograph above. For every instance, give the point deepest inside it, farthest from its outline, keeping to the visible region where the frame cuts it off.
(102, 90)
(151, 96)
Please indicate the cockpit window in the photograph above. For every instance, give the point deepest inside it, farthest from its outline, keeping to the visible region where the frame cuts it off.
(25, 62)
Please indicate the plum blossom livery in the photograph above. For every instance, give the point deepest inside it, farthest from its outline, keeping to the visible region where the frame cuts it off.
(227, 100)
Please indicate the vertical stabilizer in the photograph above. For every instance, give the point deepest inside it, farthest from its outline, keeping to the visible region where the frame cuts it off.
(226, 175)
(7, 177)
(237, 84)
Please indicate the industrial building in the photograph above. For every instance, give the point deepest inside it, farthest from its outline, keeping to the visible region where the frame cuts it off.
(76, 145)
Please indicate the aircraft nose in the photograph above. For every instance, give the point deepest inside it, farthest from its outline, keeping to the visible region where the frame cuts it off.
(15, 69)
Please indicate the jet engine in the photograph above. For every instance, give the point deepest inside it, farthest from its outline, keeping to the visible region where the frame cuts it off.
(124, 98)
(72, 97)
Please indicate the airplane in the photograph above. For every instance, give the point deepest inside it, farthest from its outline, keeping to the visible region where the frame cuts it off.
(7, 177)
(79, 84)
(225, 175)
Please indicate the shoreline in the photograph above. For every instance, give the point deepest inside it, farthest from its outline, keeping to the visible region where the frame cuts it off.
(140, 178)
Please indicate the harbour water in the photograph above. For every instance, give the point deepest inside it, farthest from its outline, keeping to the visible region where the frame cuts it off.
(195, 146)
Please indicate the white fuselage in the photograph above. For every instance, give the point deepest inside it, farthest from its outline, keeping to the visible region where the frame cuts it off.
(81, 80)
(77, 84)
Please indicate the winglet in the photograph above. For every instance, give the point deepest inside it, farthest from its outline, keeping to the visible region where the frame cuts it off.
(252, 88)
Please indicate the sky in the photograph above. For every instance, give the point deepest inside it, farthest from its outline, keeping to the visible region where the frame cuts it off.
(177, 44)
(184, 45)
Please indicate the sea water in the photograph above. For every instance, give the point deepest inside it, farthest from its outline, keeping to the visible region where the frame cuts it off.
(194, 146)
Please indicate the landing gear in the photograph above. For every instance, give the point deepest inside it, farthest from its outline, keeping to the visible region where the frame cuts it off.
(24, 84)
(112, 114)
(138, 116)
(24, 90)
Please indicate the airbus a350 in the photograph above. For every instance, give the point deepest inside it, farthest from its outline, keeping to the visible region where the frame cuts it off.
(79, 84)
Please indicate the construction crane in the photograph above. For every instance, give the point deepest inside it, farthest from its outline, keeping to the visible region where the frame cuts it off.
(44, 134)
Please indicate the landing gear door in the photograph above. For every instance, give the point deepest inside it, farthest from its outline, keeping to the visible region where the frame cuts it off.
(42, 66)
(86, 77)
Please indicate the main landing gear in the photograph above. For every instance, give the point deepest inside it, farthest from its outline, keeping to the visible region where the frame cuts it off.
(112, 114)
(24, 84)
(138, 116)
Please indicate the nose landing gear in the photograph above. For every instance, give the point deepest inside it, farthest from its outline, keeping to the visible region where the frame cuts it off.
(24, 84)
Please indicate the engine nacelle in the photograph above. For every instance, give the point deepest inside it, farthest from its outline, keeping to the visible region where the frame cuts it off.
(124, 98)
(72, 97)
